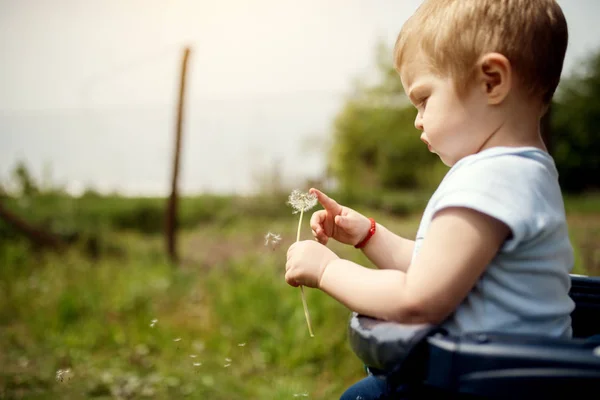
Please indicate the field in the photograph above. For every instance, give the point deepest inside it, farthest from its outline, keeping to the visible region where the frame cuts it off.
(221, 325)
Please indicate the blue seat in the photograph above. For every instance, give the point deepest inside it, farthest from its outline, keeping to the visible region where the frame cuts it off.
(489, 365)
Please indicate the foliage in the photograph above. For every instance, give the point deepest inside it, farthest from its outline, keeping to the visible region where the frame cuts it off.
(575, 123)
(234, 313)
(26, 185)
(375, 144)
(228, 303)
(375, 147)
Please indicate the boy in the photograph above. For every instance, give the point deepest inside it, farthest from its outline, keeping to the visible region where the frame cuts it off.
(492, 252)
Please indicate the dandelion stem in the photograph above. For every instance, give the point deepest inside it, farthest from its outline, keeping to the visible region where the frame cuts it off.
(306, 314)
(299, 225)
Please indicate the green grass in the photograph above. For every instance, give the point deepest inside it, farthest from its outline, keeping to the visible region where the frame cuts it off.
(227, 301)
(588, 203)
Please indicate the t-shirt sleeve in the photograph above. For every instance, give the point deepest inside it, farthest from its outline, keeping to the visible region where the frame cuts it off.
(501, 187)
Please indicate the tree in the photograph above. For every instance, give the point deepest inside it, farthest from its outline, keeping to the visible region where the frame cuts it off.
(575, 127)
(26, 184)
(375, 144)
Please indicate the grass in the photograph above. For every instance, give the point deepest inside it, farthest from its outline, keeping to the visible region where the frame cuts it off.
(228, 301)
(228, 304)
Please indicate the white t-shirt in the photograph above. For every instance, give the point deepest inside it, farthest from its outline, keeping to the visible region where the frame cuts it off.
(525, 287)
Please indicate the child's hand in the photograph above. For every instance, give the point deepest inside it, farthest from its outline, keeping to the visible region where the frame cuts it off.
(341, 223)
(306, 262)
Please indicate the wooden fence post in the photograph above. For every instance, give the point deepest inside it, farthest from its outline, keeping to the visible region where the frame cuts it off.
(171, 217)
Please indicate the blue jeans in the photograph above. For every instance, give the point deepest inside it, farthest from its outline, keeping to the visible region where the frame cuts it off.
(375, 388)
(369, 388)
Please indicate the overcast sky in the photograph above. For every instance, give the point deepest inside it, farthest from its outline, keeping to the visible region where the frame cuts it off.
(70, 55)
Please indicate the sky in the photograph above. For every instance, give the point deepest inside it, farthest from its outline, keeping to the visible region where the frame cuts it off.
(89, 88)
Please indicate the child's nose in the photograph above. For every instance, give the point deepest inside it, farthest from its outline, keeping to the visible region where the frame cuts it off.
(419, 122)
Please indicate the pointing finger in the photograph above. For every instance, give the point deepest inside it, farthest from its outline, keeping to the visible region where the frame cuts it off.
(328, 203)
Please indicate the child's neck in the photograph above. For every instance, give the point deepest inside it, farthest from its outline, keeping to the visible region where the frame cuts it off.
(519, 126)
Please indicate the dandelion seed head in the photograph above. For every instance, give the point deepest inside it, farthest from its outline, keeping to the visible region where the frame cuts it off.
(272, 239)
(301, 201)
(64, 375)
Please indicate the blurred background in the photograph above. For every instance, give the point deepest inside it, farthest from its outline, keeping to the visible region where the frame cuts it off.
(134, 264)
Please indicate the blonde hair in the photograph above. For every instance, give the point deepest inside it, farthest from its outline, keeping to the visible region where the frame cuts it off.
(454, 34)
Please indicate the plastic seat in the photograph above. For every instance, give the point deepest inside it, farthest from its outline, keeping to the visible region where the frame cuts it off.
(487, 365)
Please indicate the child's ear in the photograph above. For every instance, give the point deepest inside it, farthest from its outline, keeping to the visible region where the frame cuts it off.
(495, 75)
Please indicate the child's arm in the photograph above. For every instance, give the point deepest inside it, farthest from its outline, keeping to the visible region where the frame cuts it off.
(385, 249)
(389, 251)
(459, 245)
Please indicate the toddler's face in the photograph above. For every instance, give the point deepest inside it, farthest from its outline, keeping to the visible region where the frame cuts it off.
(452, 126)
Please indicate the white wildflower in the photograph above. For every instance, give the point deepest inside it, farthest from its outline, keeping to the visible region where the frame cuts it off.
(301, 394)
(228, 360)
(241, 344)
(177, 339)
(193, 356)
(64, 375)
(153, 322)
(301, 201)
(272, 239)
(226, 365)
(197, 364)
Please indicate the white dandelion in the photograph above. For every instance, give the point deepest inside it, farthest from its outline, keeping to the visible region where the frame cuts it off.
(64, 375)
(302, 202)
(272, 239)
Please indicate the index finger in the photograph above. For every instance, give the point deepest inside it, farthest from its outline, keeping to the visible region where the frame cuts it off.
(329, 204)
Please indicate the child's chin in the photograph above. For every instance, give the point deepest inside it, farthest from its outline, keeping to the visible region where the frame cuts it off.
(447, 162)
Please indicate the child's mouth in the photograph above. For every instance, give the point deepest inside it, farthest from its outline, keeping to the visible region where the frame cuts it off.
(427, 143)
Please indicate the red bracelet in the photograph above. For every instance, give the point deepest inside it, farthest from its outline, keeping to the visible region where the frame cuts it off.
(372, 230)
